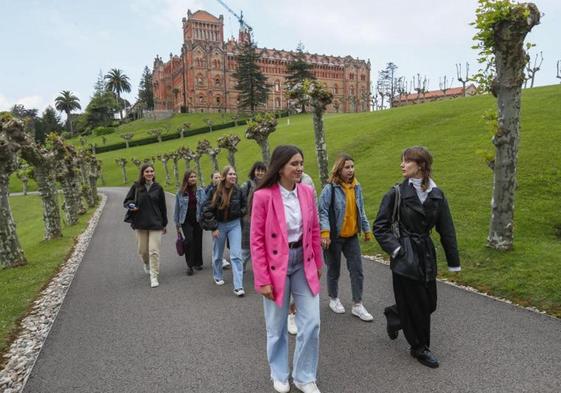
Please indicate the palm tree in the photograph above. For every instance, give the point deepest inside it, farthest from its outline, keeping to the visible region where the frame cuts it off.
(117, 82)
(67, 102)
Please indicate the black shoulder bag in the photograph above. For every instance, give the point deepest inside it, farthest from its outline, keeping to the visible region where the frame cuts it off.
(129, 215)
(395, 215)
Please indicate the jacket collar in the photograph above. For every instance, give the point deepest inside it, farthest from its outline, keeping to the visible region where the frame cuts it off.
(278, 207)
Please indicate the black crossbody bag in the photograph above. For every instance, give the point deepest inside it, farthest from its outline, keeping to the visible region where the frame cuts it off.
(129, 215)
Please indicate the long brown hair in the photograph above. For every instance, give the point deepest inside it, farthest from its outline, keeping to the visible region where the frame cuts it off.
(338, 165)
(141, 180)
(281, 155)
(185, 187)
(423, 158)
(223, 193)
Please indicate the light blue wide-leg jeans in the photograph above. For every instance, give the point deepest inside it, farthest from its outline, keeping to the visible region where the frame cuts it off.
(231, 230)
(306, 352)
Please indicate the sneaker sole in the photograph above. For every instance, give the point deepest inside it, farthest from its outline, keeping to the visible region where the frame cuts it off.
(337, 311)
(362, 319)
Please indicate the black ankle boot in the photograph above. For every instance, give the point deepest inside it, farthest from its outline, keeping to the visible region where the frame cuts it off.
(425, 357)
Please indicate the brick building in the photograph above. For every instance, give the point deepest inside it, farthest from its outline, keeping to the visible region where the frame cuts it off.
(434, 95)
(200, 78)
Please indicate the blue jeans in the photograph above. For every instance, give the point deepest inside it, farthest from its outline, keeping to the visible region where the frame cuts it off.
(306, 352)
(233, 231)
(350, 248)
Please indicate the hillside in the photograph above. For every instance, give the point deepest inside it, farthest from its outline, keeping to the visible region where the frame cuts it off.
(453, 131)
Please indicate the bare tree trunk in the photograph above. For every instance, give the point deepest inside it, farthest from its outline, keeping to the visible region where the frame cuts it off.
(70, 200)
(510, 60)
(25, 184)
(176, 173)
(321, 147)
(232, 158)
(265, 151)
(199, 171)
(51, 212)
(11, 253)
(124, 173)
(166, 171)
(187, 164)
(214, 160)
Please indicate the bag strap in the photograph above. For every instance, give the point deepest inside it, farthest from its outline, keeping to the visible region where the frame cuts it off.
(396, 203)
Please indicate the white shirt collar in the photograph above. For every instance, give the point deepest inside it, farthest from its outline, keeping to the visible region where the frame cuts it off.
(286, 193)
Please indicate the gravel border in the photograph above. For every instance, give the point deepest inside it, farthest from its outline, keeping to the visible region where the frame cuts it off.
(35, 327)
(378, 258)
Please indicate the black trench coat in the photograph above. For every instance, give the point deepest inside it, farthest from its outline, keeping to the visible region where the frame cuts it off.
(417, 257)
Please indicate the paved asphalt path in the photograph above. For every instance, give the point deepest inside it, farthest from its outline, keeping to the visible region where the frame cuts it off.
(116, 334)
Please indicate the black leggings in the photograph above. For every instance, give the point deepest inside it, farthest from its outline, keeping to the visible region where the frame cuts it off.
(193, 243)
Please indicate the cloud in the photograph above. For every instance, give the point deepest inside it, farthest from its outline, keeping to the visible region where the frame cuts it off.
(166, 14)
(30, 102)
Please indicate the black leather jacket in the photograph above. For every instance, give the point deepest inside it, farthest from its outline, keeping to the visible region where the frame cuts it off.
(212, 215)
(417, 257)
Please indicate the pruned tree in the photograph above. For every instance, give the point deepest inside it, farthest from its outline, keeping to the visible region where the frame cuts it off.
(532, 69)
(12, 136)
(68, 175)
(259, 129)
(319, 98)
(196, 157)
(235, 118)
(209, 124)
(186, 154)
(444, 84)
(122, 163)
(183, 129)
(93, 170)
(164, 158)
(502, 27)
(461, 78)
(230, 143)
(204, 147)
(175, 157)
(23, 173)
(136, 162)
(156, 132)
(127, 136)
(44, 165)
(421, 86)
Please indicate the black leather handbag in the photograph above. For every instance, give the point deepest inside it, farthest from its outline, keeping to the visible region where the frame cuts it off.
(129, 215)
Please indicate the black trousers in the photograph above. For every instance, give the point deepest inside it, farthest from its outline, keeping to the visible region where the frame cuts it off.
(415, 302)
(193, 243)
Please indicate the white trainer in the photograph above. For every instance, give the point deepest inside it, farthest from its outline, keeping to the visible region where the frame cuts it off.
(239, 292)
(360, 311)
(218, 282)
(225, 263)
(310, 387)
(154, 282)
(291, 324)
(146, 268)
(336, 306)
(281, 387)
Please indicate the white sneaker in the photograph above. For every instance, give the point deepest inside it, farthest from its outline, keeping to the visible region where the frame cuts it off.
(218, 282)
(147, 268)
(360, 311)
(310, 387)
(281, 387)
(225, 264)
(336, 306)
(239, 292)
(154, 282)
(291, 322)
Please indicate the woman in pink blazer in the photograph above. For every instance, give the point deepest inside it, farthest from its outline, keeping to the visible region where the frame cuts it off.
(287, 259)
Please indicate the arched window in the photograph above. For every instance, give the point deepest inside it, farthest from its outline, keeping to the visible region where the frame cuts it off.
(201, 99)
(277, 102)
(217, 81)
(351, 76)
(199, 79)
(218, 100)
(277, 85)
(352, 91)
(336, 88)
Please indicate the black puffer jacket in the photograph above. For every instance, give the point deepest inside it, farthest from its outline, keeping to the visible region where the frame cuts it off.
(212, 215)
(152, 211)
(417, 257)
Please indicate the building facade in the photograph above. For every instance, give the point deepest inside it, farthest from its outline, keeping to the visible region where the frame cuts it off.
(433, 95)
(200, 78)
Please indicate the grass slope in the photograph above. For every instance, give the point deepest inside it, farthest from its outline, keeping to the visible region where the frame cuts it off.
(20, 286)
(141, 127)
(453, 130)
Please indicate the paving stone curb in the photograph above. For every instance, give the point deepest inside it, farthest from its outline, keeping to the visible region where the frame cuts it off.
(35, 327)
(378, 258)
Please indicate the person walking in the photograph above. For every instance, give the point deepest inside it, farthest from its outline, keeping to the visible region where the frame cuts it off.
(407, 215)
(214, 180)
(146, 202)
(342, 219)
(222, 212)
(256, 174)
(188, 206)
(287, 260)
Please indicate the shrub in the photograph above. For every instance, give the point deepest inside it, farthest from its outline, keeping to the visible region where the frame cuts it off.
(99, 131)
(66, 135)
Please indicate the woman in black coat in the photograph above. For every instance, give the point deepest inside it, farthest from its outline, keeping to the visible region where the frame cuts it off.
(146, 202)
(421, 207)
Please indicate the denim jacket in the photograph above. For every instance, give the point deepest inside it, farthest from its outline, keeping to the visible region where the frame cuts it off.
(340, 203)
(182, 202)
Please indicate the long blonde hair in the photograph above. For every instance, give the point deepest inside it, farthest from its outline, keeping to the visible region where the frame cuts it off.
(223, 194)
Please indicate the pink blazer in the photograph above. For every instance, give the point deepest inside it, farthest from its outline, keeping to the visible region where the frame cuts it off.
(269, 239)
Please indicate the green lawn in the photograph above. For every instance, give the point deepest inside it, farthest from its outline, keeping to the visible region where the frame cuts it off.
(141, 127)
(453, 130)
(20, 286)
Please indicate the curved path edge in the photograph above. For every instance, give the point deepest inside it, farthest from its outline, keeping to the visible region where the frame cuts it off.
(35, 327)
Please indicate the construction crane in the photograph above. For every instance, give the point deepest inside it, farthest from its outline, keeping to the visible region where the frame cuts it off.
(243, 26)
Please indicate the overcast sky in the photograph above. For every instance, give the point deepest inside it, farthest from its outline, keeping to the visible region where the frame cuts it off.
(54, 45)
